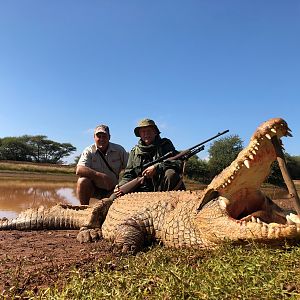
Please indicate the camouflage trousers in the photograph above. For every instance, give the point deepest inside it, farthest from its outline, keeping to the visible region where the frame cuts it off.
(171, 181)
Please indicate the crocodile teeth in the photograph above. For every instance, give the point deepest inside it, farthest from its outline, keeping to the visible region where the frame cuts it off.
(253, 151)
(224, 202)
(292, 219)
(256, 148)
(264, 229)
(273, 130)
(255, 220)
(268, 136)
(289, 221)
(246, 163)
(251, 156)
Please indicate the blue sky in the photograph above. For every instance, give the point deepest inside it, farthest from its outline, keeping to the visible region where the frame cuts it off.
(195, 67)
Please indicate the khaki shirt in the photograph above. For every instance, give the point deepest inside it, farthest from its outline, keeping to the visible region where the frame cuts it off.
(116, 156)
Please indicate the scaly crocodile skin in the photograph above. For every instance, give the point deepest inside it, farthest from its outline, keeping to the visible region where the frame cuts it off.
(60, 216)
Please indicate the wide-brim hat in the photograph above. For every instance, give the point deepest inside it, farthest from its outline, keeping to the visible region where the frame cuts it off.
(145, 123)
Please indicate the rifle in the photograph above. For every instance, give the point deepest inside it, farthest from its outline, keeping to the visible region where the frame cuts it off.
(183, 155)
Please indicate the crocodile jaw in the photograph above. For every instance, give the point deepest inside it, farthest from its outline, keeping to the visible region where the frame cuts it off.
(233, 205)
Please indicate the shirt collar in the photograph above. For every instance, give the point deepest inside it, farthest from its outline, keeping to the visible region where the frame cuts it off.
(110, 148)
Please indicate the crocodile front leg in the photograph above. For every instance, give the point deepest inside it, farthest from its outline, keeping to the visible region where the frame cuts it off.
(87, 235)
(92, 232)
(130, 236)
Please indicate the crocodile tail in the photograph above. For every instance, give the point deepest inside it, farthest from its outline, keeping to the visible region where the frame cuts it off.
(57, 217)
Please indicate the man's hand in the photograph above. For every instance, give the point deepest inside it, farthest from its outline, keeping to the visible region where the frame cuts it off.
(117, 191)
(149, 172)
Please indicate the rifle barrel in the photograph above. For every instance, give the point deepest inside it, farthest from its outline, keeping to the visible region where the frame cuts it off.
(202, 143)
(160, 159)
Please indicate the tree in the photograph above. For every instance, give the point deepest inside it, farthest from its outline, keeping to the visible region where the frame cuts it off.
(13, 148)
(293, 164)
(76, 159)
(37, 144)
(197, 169)
(56, 151)
(222, 152)
(34, 148)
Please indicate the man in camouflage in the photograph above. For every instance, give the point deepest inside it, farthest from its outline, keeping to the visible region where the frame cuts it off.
(162, 176)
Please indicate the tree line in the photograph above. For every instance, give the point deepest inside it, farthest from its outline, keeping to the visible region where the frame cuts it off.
(221, 152)
(36, 148)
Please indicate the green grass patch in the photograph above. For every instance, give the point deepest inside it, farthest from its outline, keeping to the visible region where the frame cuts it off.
(251, 271)
(35, 167)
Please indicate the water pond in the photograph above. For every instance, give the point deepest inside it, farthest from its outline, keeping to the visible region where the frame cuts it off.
(16, 195)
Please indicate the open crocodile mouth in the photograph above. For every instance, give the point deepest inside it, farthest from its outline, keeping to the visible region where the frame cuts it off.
(261, 216)
(258, 209)
(238, 187)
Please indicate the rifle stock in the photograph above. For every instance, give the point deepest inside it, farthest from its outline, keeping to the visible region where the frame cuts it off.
(131, 185)
(183, 155)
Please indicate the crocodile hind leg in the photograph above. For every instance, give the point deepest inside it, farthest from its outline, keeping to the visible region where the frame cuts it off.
(130, 237)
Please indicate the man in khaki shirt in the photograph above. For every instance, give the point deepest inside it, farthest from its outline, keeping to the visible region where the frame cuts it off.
(99, 167)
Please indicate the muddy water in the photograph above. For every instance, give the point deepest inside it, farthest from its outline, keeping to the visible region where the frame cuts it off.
(18, 195)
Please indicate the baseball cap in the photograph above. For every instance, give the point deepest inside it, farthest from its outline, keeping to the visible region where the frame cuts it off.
(102, 128)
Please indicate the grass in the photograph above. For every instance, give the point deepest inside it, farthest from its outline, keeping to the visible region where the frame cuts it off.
(251, 271)
(16, 167)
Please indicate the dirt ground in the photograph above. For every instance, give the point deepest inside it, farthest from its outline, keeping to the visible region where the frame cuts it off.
(34, 260)
(38, 259)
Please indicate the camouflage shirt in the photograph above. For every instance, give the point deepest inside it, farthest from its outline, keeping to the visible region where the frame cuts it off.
(141, 155)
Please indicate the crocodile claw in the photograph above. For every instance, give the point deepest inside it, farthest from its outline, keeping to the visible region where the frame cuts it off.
(87, 235)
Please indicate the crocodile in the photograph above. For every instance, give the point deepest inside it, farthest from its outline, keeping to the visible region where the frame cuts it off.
(231, 208)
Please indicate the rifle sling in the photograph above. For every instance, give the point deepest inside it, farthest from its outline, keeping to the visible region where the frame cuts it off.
(107, 164)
